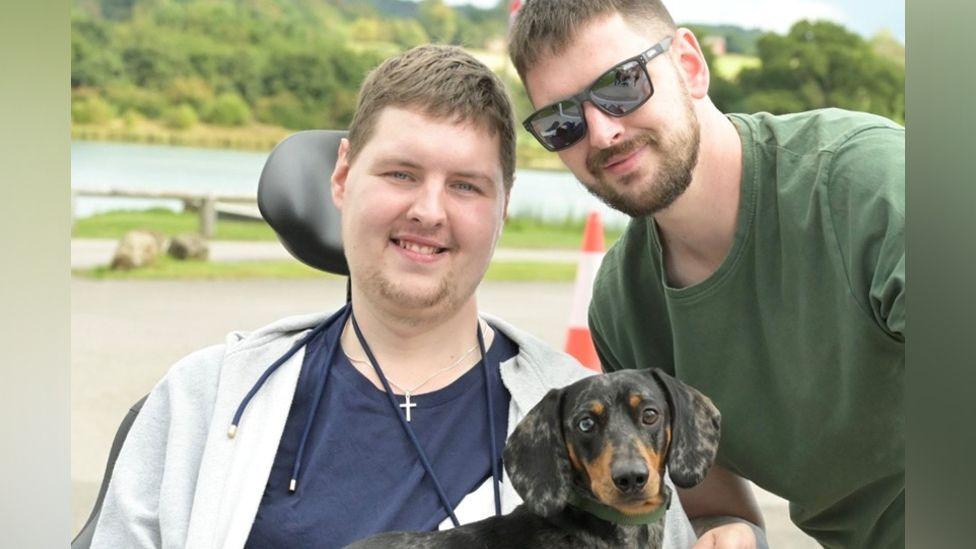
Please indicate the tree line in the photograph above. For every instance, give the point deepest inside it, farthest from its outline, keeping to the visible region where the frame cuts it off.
(815, 65)
(298, 63)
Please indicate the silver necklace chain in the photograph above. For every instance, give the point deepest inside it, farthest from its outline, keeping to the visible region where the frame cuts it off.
(409, 392)
(451, 366)
(408, 405)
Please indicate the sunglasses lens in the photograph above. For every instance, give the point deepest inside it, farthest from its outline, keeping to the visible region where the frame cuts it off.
(619, 91)
(560, 125)
(622, 89)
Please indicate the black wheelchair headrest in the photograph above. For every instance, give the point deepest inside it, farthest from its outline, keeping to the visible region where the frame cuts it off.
(295, 198)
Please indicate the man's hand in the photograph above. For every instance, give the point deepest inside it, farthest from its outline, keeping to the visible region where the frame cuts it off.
(728, 536)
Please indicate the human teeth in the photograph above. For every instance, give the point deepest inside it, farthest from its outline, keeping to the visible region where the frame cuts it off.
(413, 247)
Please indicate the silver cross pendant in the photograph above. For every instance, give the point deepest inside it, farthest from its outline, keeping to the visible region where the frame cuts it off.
(407, 405)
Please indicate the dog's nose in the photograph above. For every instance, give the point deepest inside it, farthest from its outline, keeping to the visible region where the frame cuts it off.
(630, 478)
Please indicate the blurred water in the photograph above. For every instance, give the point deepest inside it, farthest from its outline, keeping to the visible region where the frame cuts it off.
(547, 195)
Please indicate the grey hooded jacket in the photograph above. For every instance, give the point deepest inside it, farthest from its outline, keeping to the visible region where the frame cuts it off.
(180, 481)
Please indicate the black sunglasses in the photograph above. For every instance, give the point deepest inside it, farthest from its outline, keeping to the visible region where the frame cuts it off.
(618, 92)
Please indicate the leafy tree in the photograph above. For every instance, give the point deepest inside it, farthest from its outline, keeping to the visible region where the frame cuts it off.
(180, 117)
(821, 64)
(306, 73)
(128, 97)
(299, 63)
(408, 33)
(93, 66)
(724, 93)
(737, 43)
(192, 91)
(228, 110)
(285, 109)
(737, 39)
(368, 29)
(132, 118)
(91, 110)
(116, 9)
(886, 45)
(438, 19)
(93, 61)
(395, 8)
(150, 64)
(238, 71)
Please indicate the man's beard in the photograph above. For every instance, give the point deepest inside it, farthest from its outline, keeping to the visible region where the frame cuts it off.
(438, 299)
(677, 155)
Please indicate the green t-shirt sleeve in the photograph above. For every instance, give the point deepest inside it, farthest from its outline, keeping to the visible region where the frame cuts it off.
(867, 209)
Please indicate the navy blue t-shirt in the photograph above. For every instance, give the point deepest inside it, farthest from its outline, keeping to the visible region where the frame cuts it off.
(360, 473)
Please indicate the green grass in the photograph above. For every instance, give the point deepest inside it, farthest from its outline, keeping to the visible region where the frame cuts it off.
(167, 268)
(524, 271)
(531, 233)
(730, 65)
(519, 232)
(116, 223)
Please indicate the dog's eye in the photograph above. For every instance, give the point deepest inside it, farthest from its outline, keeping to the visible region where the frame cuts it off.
(649, 416)
(586, 424)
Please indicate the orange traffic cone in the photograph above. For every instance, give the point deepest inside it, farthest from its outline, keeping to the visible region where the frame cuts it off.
(579, 344)
(513, 8)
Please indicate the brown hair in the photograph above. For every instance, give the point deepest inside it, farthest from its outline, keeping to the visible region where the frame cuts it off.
(544, 27)
(441, 82)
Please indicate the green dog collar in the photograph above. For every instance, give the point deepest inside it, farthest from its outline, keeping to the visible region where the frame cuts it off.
(611, 514)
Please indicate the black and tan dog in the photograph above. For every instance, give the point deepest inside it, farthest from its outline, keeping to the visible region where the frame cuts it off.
(589, 463)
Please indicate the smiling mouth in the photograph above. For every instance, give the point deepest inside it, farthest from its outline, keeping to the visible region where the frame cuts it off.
(418, 248)
(617, 160)
(624, 163)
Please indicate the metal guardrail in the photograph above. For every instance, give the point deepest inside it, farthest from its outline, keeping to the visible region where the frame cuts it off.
(206, 204)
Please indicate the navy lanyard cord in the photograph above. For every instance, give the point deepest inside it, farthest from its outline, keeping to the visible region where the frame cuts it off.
(319, 391)
(403, 423)
(493, 446)
(341, 317)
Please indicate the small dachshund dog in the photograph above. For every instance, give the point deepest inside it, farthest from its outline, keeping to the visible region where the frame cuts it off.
(589, 462)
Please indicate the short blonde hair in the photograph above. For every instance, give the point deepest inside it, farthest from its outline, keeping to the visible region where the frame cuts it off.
(443, 82)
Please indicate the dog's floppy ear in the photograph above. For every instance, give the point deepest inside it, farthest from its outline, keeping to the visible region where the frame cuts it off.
(536, 459)
(695, 431)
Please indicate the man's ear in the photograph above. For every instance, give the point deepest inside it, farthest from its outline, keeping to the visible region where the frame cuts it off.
(536, 458)
(691, 63)
(340, 173)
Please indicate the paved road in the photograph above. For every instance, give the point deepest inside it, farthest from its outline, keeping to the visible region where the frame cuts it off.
(125, 334)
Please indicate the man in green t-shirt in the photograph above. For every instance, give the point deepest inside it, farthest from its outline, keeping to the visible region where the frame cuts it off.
(764, 264)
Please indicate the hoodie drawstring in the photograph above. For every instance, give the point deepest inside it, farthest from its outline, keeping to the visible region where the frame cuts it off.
(340, 317)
